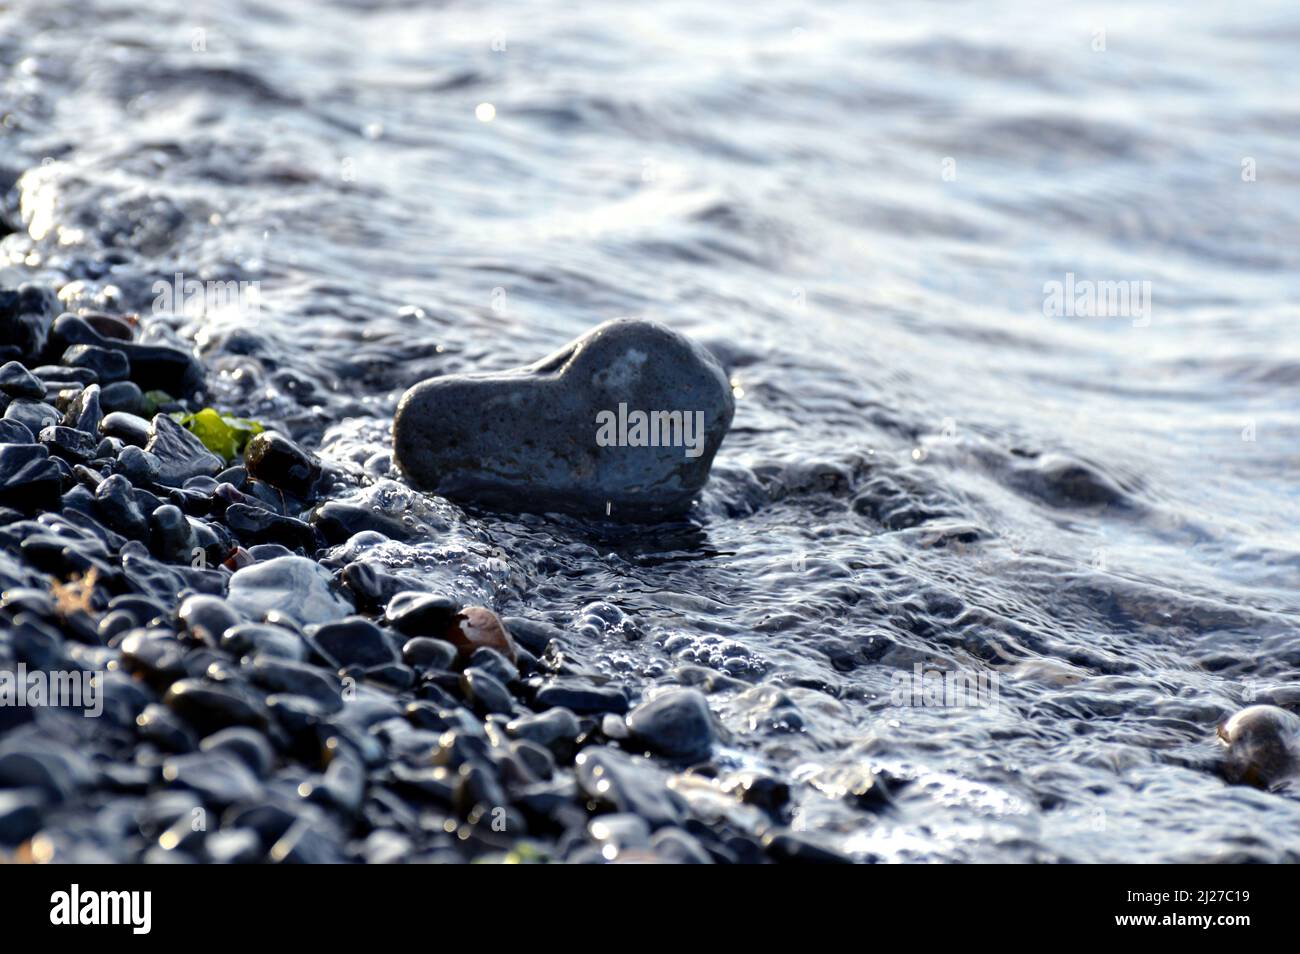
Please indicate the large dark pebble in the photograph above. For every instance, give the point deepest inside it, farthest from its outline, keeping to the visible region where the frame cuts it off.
(295, 586)
(124, 396)
(556, 729)
(35, 415)
(257, 525)
(153, 367)
(109, 364)
(180, 454)
(138, 466)
(69, 443)
(210, 707)
(425, 652)
(420, 614)
(676, 723)
(206, 618)
(29, 479)
(247, 745)
(17, 382)
(218, 778)
(625, 784)
(485, 692)
(128, 428)
(117, 506)
(337, 522)
(582, 698)
(354, 641)
(280, 462)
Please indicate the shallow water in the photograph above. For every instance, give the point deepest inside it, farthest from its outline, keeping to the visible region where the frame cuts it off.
(925, 468)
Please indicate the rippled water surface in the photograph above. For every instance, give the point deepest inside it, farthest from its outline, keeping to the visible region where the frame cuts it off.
(857, 207)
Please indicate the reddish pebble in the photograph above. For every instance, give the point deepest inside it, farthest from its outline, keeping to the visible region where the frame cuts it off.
(238, 558)
(477, 626)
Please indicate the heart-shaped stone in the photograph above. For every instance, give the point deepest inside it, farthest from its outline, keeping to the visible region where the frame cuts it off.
(622, 422)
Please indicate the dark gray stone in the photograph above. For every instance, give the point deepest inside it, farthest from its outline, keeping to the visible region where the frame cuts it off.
(425, 652)
(29, 479)
(485, 692)
(280, 462)
(138, 465)
(18, 382)
(35, 415)
(72, 445)
(676, 723)
(582, 698)
(297, 587)
(625, 784)
(109, 364)
(538, 437)
(153, 366)
(128, 428)
(180, 454)
(354, 641)
(85, 412)
(122, 396)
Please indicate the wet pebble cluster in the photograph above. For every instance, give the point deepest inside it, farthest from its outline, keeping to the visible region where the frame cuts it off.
(260, 704)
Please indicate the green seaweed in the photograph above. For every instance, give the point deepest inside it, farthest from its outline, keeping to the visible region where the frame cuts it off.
(152, 401)
(225, 436)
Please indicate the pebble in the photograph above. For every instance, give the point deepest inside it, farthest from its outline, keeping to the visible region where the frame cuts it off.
(206, 618)
(234, 846)
(247, 745)
(476, 626)
(50, 767)
(138, 466)
(85, 411)
(485, 692)
(795, 847)
(354, 641)
(180, 454)
(539, 438)
(265, 640)
(676, 723)
(128, 428)
(15, 432)
(582, 698)
(413, 613)
(296, 586)
(29, 479)
(171, 537)
(210, 707)
(625, 784)
(35, 415)
(1261, 745)
(116, 505)
(20, 815)
(257, 525)
(26, 314)
(69, 443)
(109, 364)
(273, 458)
(555, 729)
(218, 778)
(298, 679)
(492, 661)
(124, 396)
(677, 847)
(154, 367)
(338, 522)
(17, 382)
(425, 652)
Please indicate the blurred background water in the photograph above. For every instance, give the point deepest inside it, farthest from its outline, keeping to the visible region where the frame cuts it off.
(858, 207)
